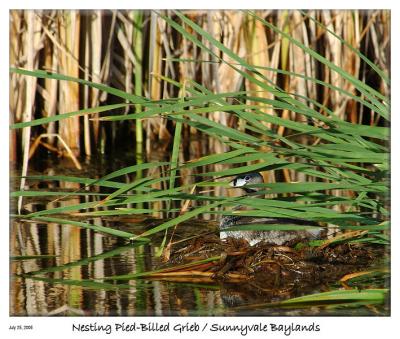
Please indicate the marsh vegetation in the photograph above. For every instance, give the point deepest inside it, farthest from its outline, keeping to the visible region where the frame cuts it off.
(126, 126)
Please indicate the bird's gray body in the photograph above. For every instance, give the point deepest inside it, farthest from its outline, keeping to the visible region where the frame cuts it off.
(276, 237)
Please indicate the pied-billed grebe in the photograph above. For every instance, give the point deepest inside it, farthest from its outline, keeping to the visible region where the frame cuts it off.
(277, 237)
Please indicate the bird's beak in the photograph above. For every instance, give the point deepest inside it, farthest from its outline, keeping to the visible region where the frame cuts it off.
(237, 182)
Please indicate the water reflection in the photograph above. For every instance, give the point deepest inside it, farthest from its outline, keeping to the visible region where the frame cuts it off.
(69, 282)
(73, 276)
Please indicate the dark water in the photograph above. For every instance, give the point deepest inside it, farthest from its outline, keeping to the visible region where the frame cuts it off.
(71, 280)
(93, 256)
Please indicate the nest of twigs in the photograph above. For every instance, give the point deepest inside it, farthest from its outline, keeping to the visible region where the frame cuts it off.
(209, 259)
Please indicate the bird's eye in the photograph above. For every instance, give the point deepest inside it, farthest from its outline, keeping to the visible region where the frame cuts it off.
(247, 178)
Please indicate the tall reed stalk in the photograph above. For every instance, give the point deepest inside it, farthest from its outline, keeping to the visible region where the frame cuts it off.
(138, 54)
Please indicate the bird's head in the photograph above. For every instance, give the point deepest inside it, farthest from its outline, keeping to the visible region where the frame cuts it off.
(242, 181)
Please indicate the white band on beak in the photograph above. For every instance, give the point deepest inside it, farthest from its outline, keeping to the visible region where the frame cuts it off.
(239, 182)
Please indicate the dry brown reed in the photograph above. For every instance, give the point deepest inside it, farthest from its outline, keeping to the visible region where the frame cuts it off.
(100, 46)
